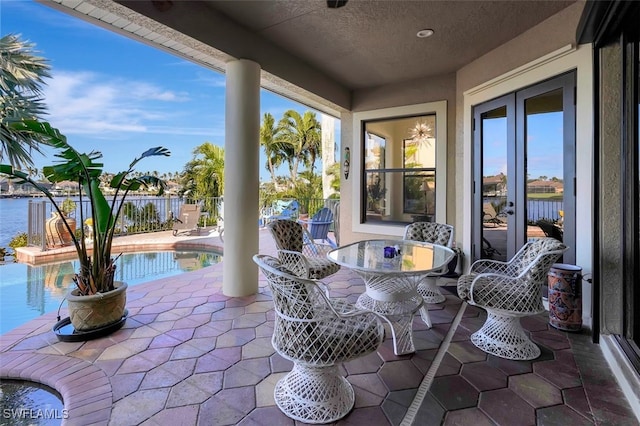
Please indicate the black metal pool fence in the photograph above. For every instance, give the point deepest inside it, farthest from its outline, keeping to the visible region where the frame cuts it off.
(139, 215)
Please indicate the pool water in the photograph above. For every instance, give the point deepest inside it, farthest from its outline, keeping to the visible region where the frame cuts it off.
(29, 403)
(26, 291)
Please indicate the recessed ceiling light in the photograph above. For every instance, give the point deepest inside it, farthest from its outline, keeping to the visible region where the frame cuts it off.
(425, 33)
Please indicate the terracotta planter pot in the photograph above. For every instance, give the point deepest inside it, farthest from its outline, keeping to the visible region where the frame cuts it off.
(100, 310)
(56, 233)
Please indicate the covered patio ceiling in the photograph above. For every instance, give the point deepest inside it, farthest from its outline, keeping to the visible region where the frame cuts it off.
(318, 55)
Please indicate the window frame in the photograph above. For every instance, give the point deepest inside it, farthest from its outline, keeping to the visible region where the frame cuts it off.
(439, 109)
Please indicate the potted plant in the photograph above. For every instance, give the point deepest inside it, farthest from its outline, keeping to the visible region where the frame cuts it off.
(94, 282)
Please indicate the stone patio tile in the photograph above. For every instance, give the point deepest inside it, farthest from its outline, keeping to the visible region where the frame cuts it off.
(186, 415)
(266, 416)
(174, 314)
(126, 349)
(163, 341)
(181, 335)
(510, 367)
(483, 376)
(399, 375)
(441, 316)
(185, 393)
(264, 390)
(218, 360)
(561, 375)
(246, 373)
(535, 390)
(138, 407)
(144, 318)
(227, 407)
(370, 363)
(256, 307)
(235, 337)
(212, 329)
(576, 399)
(280, 364)
(260, 347)
(366, 398)
(561, 415)
(191, 349)
(370, 416)
(249, 320)
(430, 412)
(370, 382)
(504, 407)
(466, 352)
(146, 331)
(265, 330)
(168, 374)
(448, 366)
(192, 321)
(426, 339)
(157, 308)
(228, 314)
(454, 392)
(468, 416)
(551, 339)
(535, 323)
(209, 307)
(393, 413)
(184, 301)
(125, 384)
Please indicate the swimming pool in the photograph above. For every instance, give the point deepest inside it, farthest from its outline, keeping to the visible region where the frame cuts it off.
(26, 291)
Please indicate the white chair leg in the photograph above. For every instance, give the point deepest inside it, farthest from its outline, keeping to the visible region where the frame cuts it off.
(314, 394)
(503, 336)
(428, 289)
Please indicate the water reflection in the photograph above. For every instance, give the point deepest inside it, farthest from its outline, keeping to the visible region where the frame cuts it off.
(27, 292)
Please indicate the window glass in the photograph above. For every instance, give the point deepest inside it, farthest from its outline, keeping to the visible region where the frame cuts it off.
(399, 157)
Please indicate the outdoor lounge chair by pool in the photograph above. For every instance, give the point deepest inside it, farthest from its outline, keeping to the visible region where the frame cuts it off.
(188, 219)
(489, 215)
(289, 212)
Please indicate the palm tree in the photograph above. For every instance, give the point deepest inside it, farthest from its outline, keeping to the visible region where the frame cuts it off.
(271, 144)
(203, 176)
(22, 74)
(302, 135)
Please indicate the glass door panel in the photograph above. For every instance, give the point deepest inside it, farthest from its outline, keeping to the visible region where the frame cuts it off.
(494, 183)
(524, 169)
(544, 165)
(494, 148)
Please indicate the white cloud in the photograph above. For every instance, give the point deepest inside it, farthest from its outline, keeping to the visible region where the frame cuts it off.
(92, 103)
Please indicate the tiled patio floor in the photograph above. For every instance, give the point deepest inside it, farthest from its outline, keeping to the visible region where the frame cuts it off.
(189, 355)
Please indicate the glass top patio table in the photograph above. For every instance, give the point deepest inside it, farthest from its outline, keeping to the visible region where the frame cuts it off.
(391, 282)
(415, 256)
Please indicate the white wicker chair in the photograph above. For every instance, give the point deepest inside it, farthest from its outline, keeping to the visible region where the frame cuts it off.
(437, 233)
(317, 334)
(302, 256)
(509, 291)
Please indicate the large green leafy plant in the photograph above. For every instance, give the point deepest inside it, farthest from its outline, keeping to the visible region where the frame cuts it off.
(97, 265)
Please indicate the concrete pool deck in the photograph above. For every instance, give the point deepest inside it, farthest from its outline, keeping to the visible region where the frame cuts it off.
(189, 355)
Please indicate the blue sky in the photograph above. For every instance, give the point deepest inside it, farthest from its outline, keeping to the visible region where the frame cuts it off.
(115, 95)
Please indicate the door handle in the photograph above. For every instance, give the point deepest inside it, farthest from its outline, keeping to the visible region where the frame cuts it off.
(509, 211)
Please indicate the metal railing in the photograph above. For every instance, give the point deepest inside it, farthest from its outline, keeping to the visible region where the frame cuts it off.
(139, 215)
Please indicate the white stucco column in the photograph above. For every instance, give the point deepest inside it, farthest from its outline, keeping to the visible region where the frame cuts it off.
(241, 174)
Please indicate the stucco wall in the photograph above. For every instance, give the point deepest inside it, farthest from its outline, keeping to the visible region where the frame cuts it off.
(610, 160)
